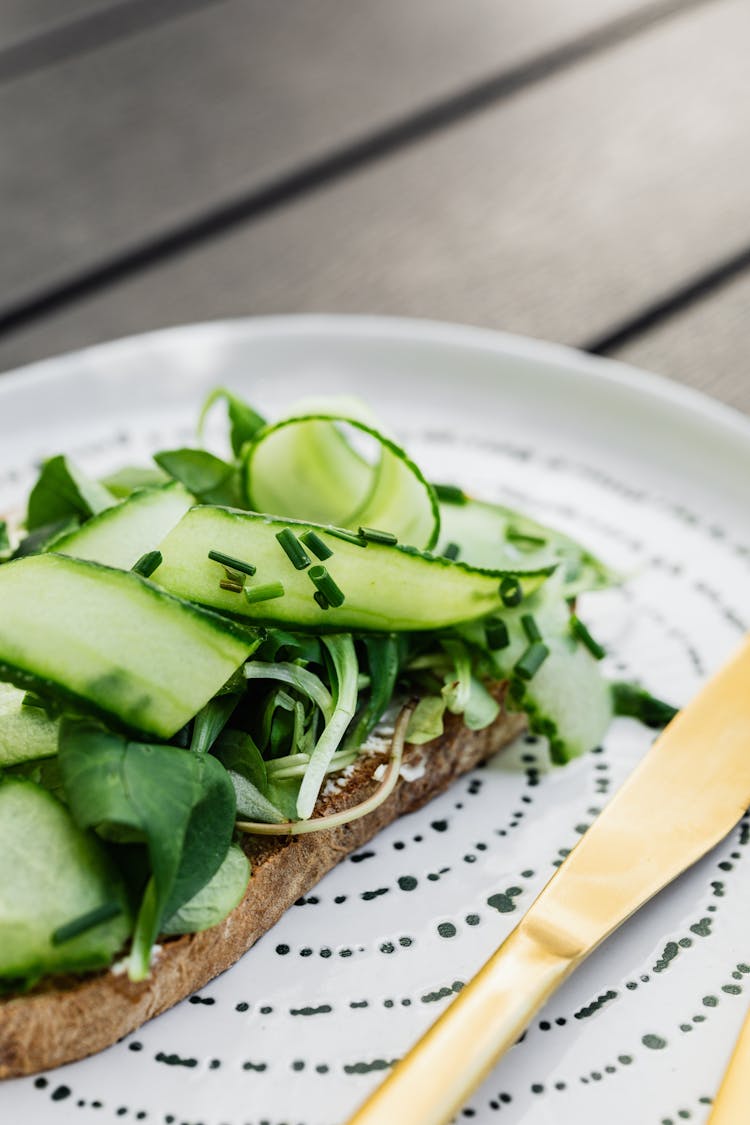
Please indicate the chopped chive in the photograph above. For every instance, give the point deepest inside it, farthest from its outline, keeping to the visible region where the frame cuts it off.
(496, 633)
(529, 664)
(516, 689)
(515, 535)
(321, 599)
(347, 536)
(372, 535)
(86, 922)
(316, 545)
(450, 494)
(510, 591)
(557, 752)
(293, 549)
(32, 700)
(264, 593)
(4, 537)
(320, 577)
(451, 551)
(231, 563)
(530, 627)
(581, 633)
(147, 564)
(635, 701)
(231, 585)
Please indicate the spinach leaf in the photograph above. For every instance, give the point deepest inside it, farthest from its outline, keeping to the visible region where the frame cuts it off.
(132, 478)
(181, 804)
(637, 703)
(236, 751)
(213, 902)
(247, 770)
(211, 480)
(244, 422)
(63, 492)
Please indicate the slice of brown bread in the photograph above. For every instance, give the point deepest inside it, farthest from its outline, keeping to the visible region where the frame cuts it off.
(67, 1018)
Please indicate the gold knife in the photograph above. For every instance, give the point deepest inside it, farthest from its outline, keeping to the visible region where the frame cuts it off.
(733, 1098)
(688, 792)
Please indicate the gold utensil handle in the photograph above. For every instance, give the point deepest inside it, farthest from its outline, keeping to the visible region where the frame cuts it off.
(733, 1099)
(435, 1078)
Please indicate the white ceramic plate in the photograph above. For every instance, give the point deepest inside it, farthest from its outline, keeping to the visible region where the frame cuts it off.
(651, 476)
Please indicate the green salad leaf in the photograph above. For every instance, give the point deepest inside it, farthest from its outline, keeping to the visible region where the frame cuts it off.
(371, 593)
(211, 480)
(244, 422)
(211, 904)
(64, 492)
(181, 805)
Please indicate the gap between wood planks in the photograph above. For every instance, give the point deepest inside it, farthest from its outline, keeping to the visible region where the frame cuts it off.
(89, 31)
(338, 163)
(664, 308)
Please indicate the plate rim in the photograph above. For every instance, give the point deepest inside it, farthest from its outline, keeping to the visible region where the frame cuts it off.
(651, 388)
(661, 389)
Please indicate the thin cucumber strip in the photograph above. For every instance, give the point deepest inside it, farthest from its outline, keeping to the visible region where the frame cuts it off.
(306, 467)
(495, 536)
(567, 698)
(26, 733)
(111, 642)
(54, 879)
(385, 588)
(119, 536)
(303, 467)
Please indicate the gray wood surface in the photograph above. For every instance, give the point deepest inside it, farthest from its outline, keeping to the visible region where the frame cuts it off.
(706, 346)
(20, 19)
(108, 148)
(554, 214)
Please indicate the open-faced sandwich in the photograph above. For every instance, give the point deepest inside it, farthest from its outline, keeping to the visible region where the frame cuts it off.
(203, 708)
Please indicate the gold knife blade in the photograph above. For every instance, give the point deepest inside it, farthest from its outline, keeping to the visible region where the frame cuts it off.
(732, 1101)
(688, 792)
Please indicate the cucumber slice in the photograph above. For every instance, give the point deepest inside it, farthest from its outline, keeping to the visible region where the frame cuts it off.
(305, 468)
(119, 536)
(384, 587)
(112, 642)
(492, 535)
(567, 699)
(26, 733)
(51, 874)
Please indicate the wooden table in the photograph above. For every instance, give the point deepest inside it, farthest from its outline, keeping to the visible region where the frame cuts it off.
(575, 170)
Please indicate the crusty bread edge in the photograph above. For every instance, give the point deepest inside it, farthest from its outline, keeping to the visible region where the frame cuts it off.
(68, 1019)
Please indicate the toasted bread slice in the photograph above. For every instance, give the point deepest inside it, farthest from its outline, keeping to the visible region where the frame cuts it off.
(67, 1018)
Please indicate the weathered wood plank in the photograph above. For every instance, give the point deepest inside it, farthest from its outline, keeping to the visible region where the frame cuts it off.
(552, 215)
(706, 346)
(20, 19)
(104, 150)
